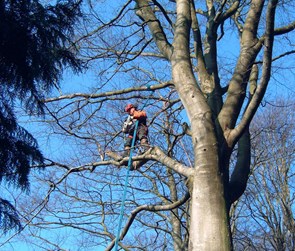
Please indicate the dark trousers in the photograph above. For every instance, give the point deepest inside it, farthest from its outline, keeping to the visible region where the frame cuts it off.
(142, 132)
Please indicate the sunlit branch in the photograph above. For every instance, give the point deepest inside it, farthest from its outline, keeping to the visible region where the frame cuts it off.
(237, 87)
(110, 93)
(267, 60)
(157, 154)
(146, 13)
(154, 153)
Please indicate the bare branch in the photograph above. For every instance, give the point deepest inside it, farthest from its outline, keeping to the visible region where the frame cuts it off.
(237, 87)
(240, 175)
(110, 93)
(152, 208)
(146, 13)
(285, 29)
(154, 153)
(267, 61)
(159, 155)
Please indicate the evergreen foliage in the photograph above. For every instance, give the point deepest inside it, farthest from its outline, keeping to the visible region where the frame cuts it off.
(35, 46)
(34, 43)
(8, 216)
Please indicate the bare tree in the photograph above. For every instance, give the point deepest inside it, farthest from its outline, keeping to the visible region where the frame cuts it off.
(266, 215)
(199, 111)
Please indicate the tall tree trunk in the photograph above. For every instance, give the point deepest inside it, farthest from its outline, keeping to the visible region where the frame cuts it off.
(209, 229)
(209, 220)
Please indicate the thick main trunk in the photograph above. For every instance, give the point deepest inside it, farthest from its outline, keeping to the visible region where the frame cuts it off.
(208, 225)
(209, 229)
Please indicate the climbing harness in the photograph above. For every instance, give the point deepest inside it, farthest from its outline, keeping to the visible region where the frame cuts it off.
(127, 174)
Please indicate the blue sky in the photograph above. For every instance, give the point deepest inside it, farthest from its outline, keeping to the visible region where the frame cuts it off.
(52, 144)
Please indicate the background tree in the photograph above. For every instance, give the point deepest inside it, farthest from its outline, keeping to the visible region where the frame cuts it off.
(199, 111)
(266, 212)
(35, 46)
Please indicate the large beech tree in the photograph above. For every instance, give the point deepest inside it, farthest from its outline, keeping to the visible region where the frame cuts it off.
(217, 124)
(209, 65)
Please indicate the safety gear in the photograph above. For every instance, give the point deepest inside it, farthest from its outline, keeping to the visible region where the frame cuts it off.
(128, 107)
(128, 125)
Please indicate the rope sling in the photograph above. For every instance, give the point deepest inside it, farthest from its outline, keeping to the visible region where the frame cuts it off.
(127, 175)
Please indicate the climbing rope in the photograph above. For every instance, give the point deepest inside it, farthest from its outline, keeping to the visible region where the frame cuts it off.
(127, 174)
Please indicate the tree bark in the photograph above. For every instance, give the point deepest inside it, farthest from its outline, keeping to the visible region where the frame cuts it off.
(209, 222)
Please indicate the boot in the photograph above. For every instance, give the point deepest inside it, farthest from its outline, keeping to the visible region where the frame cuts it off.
(144, 144)
(126, 151)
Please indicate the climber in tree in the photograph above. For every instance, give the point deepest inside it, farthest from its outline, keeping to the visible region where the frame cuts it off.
(129, 127)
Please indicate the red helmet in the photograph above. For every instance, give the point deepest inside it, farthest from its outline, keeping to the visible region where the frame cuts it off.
(128, 107)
